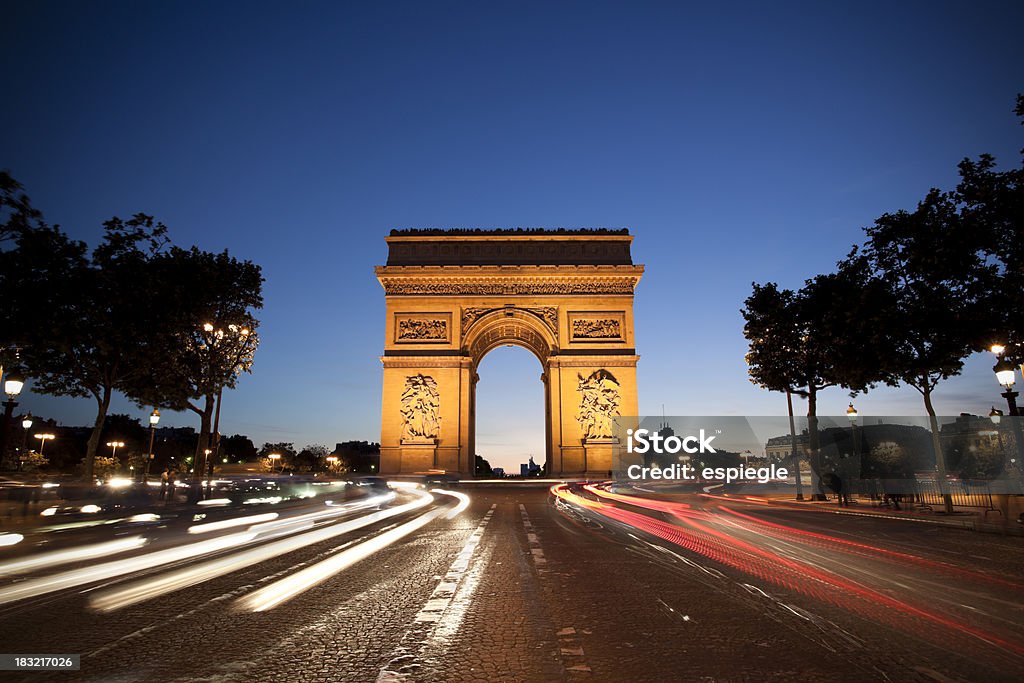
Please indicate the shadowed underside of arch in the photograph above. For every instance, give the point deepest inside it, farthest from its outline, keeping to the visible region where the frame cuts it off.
(509, 327)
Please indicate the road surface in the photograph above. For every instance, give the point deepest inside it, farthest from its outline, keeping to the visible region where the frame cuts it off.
(521, 585)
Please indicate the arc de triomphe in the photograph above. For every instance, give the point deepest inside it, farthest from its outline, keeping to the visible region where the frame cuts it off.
(453, 295)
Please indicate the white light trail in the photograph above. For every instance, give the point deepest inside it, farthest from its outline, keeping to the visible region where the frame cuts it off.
(10, 539)
(228, 523)
(278, 592)
(59, 557)
(147, 589)
(463, 501)
(108, 570)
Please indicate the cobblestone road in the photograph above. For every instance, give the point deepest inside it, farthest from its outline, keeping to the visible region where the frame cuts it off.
(517, 588)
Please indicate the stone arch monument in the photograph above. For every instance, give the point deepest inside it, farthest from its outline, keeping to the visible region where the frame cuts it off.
(451, 296)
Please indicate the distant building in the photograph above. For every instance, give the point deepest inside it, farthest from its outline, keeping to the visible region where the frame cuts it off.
(498, 472)
(779, 447)
(358, 456)
(529, 469)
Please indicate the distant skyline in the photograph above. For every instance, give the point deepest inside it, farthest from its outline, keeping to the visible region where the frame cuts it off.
(738, 142)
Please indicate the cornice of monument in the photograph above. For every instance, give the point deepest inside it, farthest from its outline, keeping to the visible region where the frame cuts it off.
(509, 280)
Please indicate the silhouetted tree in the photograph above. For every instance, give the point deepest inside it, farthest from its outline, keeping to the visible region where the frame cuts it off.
(483, 468)
(935, 277)
(81, 316)
(285, 449)
(207, 334)
(310, 458)
(992, 208)
(238, 447)
(807, 341)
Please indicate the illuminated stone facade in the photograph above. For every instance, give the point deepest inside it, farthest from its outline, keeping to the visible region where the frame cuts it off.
(453, 296)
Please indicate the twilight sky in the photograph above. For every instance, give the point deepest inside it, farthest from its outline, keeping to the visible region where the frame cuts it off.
(738, 142)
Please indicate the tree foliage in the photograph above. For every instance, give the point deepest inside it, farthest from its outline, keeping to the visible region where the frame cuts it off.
(811, 339)
(167, 326)
(931, 267)
(992, 208)
(79, 315)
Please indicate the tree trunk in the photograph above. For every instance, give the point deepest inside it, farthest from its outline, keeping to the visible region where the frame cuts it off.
(203, 443)
(940, 460)
(102, 404)
(814, 443)
(795, 448)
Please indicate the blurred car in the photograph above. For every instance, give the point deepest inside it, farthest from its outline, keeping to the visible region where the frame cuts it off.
(440, 480)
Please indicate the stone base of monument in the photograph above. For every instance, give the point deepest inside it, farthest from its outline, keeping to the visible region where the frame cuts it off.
(599, 456)
(418, 456)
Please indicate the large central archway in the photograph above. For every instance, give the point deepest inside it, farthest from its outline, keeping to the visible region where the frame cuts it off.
(515, 327)
(453, 296)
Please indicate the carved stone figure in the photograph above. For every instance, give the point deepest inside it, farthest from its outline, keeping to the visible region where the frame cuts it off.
(599, 404)
(420, 408)
(413, 329)
(471, 315)
(549, 314)
(596, 328)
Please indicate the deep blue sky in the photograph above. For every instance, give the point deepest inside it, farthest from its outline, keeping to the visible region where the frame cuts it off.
(738, 142)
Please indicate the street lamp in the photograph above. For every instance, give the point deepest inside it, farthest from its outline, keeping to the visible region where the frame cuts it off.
(154, 418)
(274, 457)
(995, 415)
(332, 462)
(13, 384)
(114, 445)
(1006, 374)
(43, 438)
(26, 424)
(851, 413)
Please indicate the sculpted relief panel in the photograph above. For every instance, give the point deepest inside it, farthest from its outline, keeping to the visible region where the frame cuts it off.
(597, 327)
(420, 409)
(599, 404)
(422, 328)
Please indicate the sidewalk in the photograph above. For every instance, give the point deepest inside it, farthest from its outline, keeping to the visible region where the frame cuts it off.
(975, 519)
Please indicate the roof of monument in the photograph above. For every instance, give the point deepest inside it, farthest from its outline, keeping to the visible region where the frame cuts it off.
(482, 232)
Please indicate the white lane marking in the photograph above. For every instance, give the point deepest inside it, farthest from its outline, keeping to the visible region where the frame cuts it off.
(570, 649)
(442, 614)
(531, 537)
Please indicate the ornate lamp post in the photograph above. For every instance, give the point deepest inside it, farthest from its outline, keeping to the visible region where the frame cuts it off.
(13, 384)
(26, 424)
(274, 457)
(154, 418)
(1006, 374)
(851, 413)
